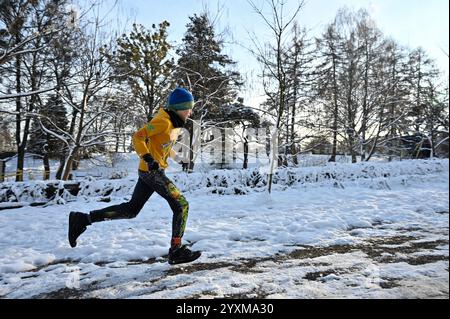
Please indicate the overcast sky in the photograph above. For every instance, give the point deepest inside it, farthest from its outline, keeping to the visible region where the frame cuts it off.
(412, 23)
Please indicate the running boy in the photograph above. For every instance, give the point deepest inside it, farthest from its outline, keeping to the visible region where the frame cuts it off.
(153, 143)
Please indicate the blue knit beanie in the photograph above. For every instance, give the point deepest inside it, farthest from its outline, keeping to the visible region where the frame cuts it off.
(180, 99)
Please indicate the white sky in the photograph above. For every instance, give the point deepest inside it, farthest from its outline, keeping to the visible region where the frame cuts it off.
(412, 23)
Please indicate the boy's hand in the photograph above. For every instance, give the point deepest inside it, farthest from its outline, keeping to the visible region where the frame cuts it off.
(151, 163)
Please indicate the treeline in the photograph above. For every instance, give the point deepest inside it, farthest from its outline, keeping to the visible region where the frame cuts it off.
(352, 90)
(71, 84)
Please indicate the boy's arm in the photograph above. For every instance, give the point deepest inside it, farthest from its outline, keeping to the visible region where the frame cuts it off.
(140, 137)
(175, 156)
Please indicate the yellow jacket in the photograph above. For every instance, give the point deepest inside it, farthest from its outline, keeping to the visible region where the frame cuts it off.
(156, 138)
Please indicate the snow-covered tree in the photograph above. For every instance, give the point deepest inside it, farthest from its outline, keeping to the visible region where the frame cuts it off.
(25, 28)
(53, 115)
(241, 118)
(142, 61)
(87, 93)
(206, 72)
(272, 57)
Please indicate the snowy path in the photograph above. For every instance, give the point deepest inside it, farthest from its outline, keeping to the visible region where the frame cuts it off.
(303, 242)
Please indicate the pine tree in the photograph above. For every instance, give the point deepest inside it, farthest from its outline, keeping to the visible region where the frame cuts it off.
(142, 62)
(206, 72)
(202, 67)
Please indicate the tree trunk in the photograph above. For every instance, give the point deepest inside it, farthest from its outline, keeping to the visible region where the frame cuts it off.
(223, 155)
(2, 170)
(68, 164)
(20, 164)
(351, 113)
(76, 160)
(293, 149)
(335, 111)
(245, 165)
(294, 154)
(46, 163)
(20, 149)
(365, 110)
(334, 148)
(59, 172)
(375, 142)
(117, 143)
(190, 128)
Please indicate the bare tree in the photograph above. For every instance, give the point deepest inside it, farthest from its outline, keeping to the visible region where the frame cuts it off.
(328, 85)
(88, 92)
(26, 28)
(278, 21)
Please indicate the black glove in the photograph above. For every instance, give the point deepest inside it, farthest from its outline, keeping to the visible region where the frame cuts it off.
(151, 163)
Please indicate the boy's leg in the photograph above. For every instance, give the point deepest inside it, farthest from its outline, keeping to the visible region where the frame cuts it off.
(131, 209)
(79, 221)
(162, 185)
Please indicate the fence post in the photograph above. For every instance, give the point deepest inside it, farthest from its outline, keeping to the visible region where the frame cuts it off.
(2, 170)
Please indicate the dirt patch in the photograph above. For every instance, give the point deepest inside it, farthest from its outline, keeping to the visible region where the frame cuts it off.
(148, 261)
(247, 265)
(66, 293)
(191, 268)
(242, 266)
(396, 240)
(66, 262)
(206, 293)
(309, 252)
(253, 294)
(425, 259)
(389, 283)
(379, 247)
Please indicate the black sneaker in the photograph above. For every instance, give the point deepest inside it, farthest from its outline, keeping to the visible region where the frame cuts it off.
(77, 225)
(182, 255)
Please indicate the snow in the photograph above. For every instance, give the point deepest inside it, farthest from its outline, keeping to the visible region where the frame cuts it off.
(374, 175)
(370, 238)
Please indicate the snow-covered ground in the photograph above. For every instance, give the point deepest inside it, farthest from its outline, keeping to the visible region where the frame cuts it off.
(365, 236)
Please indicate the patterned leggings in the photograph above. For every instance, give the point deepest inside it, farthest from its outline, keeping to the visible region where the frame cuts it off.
(148, 183)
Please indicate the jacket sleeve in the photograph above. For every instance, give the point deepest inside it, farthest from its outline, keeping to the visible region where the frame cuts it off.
(174, 156)
(141, 137)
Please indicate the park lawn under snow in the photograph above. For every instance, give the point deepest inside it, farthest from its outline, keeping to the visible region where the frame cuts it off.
(303, 241)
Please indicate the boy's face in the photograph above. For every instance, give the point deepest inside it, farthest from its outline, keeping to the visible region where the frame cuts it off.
(184, 114)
